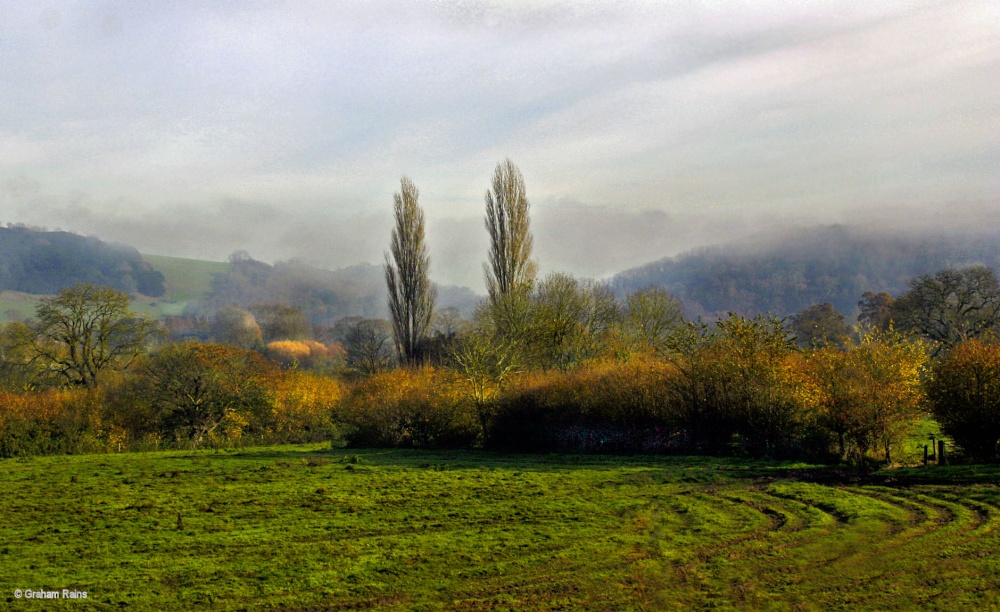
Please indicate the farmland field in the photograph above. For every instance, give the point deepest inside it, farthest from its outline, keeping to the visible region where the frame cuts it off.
(185, 280)
(308, 526)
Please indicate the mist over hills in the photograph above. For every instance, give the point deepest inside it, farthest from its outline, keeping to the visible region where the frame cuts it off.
(784, 272)
(778, 271)
(323, 295)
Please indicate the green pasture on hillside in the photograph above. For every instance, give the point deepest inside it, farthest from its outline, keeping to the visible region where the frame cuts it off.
(185, 280)
(23, 303)
(310, 527)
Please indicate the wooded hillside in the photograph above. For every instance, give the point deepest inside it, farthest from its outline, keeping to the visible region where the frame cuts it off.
(785, 273)
(43, 262)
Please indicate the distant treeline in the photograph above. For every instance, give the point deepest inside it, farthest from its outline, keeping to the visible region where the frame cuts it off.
(786, 273)
(43, 262)
(325, 296)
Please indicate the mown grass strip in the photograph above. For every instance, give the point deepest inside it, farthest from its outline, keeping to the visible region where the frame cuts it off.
(288, 527)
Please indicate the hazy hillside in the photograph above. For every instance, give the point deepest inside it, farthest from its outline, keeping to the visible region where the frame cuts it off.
(42, 262)
(784, 273)
(324, 295)
(37, 262)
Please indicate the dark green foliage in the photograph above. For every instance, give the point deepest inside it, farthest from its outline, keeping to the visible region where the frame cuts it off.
(819, 325)
(965, 396)
(951, 305)
(42, 262)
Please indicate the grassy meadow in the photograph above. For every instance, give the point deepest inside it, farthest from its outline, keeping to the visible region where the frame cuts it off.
(185, 280)
(308, 527)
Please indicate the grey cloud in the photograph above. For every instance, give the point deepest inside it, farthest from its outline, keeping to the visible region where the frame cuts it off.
(642, 128)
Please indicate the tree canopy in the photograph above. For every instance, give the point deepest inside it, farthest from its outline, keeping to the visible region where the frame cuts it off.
(86, 329)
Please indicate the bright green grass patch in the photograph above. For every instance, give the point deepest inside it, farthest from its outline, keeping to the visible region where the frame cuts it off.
(22, 305)
(296, 527)
(186, 280)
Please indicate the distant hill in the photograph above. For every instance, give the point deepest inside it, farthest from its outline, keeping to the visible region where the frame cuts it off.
(325, 296)
(784, 273)
(43, 263)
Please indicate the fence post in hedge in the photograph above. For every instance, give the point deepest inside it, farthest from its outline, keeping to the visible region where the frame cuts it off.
(942, 460)
(925, 454)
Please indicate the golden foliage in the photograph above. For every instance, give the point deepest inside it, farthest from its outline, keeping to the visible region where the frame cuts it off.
(869, 394)
(305, 402)
(425, 407)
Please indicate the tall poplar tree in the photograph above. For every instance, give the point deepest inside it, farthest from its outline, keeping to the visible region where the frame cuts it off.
(407, 275)
(510, 271)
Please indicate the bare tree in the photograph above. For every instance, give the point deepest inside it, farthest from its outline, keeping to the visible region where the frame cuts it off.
(951, 306)
(407, 275)
(86, 329)
(367, 344)
(510, 271)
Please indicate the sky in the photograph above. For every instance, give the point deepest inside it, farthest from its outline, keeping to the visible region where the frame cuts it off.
(642, 129)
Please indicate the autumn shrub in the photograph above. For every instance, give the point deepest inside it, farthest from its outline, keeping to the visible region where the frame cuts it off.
(306, 355)
(868, 395)
(740, 390)
(55, 422)
(303, 407)
(964, 394)
(598, 407)
(409, 408)
(193, 393)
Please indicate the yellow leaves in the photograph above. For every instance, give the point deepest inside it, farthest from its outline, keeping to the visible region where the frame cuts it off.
(305, 353)
(303, 399)
(410, 407)
(870, 392)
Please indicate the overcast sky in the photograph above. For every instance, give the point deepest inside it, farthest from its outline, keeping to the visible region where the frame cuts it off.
(642, 129)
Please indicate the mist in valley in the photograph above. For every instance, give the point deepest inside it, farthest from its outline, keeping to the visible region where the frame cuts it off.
(644, 131)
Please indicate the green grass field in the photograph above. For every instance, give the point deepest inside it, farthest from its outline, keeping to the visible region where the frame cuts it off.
(310, 527)
(185, 280)
(15, 303)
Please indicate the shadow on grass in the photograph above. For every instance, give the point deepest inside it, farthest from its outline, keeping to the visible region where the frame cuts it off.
(660, 468)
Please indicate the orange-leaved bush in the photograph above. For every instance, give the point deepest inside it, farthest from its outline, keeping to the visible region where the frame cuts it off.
(304, 406)
(55, 422)
(305, 354)
(419, 408)
(869, 395)
(602, 406)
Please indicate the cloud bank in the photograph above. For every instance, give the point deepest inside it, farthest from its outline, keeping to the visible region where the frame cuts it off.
(642, 128)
